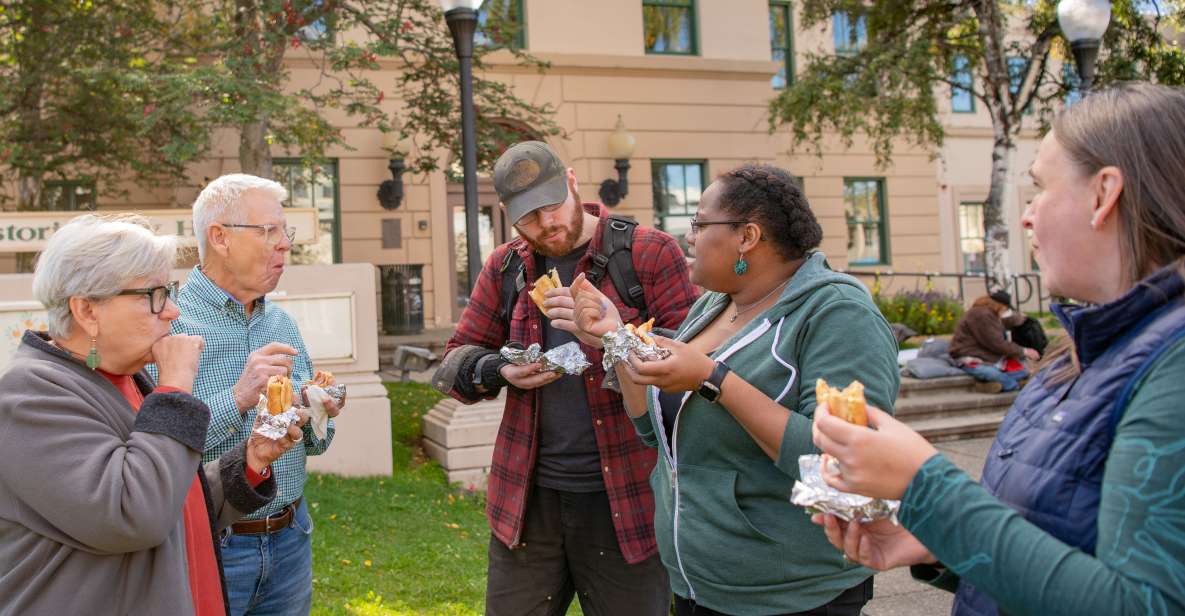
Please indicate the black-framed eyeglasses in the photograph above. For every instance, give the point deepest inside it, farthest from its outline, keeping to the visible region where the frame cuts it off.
(157, 296)
(272, 232)
(697, 224)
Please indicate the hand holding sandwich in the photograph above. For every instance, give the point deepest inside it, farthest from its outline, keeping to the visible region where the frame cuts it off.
(878, 462)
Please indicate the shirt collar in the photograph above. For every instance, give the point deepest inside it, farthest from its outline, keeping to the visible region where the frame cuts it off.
(205, 289)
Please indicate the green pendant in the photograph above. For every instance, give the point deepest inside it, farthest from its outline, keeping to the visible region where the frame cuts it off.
(92, 358)
(741, 267)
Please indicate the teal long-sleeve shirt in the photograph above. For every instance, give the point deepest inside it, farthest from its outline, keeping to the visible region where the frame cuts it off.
(1139, 566)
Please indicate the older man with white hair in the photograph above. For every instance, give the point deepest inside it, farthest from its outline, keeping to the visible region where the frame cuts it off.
(243, 241)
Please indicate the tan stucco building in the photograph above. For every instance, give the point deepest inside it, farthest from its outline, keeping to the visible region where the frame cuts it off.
(695, 100)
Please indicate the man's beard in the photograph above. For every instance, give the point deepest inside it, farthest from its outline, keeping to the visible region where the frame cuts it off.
(564, 245)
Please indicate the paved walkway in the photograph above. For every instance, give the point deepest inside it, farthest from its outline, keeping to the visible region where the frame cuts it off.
(896, 593)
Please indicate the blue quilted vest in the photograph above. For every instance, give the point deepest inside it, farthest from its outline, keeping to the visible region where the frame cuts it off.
(1048, 457)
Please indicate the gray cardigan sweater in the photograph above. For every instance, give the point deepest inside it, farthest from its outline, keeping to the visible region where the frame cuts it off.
(91, 492)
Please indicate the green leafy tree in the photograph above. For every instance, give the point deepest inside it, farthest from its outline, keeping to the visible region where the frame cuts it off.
(94, 92)
(885, 88)
(363, 53)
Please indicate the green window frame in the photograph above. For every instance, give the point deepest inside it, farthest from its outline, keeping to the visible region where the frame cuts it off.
(677, 185)
(510, 15)
(971, 235)
(68, 195)
(781, 38)
(866, 213)
(1017, 66)
(661, 18)
(321, 32)
(316, 186)
(961, 98)
(849, 35)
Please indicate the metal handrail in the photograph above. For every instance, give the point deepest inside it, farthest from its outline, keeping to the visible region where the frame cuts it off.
(1031, 283)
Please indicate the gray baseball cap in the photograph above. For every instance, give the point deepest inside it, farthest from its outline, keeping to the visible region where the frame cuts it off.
(529, 176)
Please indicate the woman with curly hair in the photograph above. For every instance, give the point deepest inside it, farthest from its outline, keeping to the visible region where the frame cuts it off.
(730, 409)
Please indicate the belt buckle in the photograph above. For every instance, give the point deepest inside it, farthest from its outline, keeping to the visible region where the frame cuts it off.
(267, 523)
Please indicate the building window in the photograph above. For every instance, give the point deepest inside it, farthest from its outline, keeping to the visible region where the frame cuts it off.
(501, 23)
(68, 195)
(677, 187)
(319, 27)
(669, 26)
(971, 237)
(1017, 67)
(315, 187)
(963, 82)
(864, 210)
(781, 37)
(850, 32)
(1072, 82)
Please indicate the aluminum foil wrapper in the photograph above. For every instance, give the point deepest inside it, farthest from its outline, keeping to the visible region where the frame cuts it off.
(274, 427)
(812, 492)
(337, 392)
(564, 359)
(618, 344)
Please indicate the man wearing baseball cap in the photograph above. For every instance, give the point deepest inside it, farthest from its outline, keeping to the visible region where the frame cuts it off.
(568, 501)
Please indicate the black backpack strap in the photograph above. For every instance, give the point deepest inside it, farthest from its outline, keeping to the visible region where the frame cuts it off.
(616, 259)
(514, 280)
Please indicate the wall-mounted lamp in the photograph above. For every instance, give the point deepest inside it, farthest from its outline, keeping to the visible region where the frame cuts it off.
(621, 148)
(391, 191)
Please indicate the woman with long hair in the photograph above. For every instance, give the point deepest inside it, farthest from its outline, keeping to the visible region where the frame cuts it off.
(1081, 509)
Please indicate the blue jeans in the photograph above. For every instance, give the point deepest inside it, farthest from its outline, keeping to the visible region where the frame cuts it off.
(271, 574)
(988, 372)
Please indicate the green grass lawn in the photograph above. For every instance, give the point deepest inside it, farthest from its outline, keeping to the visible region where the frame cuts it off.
(405, 544)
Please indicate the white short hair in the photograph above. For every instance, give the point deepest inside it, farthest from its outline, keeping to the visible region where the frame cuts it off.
(219, 201)
(96, 256)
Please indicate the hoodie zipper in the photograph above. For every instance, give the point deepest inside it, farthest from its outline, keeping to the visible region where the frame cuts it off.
(671, 453)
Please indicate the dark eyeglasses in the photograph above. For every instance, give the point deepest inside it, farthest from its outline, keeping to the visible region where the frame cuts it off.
(157, 296)
(696, 224)
(272, 232)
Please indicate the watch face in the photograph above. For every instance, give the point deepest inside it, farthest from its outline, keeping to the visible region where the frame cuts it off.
(709, 391)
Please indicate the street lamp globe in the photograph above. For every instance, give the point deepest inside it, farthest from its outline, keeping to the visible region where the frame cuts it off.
(1083, 22)
(448, 5)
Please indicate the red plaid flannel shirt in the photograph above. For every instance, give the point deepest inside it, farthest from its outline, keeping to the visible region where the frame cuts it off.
(625, 462)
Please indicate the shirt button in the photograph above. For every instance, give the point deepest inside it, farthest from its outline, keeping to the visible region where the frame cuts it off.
(233, 429)
(606, 469)
(599, 422)
(616, 514)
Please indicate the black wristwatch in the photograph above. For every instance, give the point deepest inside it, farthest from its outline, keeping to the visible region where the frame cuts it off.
(710, 389)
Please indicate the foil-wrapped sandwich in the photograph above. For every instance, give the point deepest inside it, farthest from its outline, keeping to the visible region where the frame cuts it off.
(564, 359)
(278, 405)
(626, 339)
(811, 491)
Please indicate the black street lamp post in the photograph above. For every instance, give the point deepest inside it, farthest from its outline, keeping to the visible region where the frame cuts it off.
(1084, 22)
(461, 16)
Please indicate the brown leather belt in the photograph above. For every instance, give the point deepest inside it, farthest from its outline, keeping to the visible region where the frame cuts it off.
(275, 522)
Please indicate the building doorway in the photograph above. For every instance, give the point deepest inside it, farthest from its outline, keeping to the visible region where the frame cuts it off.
(494, 229)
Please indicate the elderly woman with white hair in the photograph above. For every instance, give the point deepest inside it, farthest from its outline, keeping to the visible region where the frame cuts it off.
(104, 503)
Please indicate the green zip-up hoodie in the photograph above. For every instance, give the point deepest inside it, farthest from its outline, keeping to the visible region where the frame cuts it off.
(727, 532)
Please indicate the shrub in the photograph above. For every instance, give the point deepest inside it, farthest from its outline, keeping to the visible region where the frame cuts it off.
(927, 312)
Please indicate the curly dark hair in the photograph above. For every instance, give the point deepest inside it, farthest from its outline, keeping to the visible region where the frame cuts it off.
(771, 198)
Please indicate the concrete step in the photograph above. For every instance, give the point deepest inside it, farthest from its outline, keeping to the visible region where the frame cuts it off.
(952, 403)
(956, 427)
(911, 387)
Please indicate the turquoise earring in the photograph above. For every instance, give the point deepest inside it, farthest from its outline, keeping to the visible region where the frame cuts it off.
(92, 358)
(741, 266)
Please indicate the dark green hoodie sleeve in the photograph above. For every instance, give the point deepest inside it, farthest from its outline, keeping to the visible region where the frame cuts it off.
(1140, 561)
(845, 339)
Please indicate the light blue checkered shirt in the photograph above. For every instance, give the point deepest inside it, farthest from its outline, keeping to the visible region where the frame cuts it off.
(210, 312)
